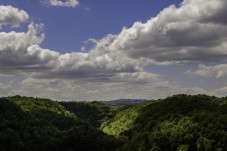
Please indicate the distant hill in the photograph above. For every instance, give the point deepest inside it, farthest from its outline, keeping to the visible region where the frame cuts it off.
(125, 101)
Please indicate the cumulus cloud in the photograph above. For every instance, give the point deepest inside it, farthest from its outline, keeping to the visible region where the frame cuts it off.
(196, 31)
(61, 3)
(20, 53)
(190, 33)
(12, 16)
(16, 50)
(141, 76)
(217, 71)
(5, 89)
(221, 92)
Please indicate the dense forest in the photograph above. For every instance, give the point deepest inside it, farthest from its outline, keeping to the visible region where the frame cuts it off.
(31, 124)
(177, 123)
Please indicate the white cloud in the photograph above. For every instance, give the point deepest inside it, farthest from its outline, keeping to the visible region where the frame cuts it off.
(12, 16)
(176, 35)
(62, 3)
(141, 76)
(61, 89)
(221, 92)
(217, 71)
(195, 91)
(15, 50)
(194, 32)
(3, 86)
(20, 53)
(114, 67)
(4, 89)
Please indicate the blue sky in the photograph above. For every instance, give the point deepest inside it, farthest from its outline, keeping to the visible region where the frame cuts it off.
(103, 50)
(66, 29)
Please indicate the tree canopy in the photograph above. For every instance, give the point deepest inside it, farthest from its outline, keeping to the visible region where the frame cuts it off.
(177, 123)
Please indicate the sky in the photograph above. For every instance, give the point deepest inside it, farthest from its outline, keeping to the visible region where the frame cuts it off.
(105, 50)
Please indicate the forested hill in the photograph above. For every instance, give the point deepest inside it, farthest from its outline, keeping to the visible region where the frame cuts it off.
(32, 124)
(95, 113)
(177, 123)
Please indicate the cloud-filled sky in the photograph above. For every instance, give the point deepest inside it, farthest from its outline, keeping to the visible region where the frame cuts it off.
(89, 50)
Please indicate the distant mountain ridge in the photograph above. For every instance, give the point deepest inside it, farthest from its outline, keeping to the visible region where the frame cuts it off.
(124, 101)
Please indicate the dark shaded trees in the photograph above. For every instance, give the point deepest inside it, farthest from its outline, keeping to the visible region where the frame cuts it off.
(24, 127)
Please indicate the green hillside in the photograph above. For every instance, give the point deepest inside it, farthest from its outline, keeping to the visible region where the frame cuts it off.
(95, 113)
(177, 123)
(35, 104)
(123, 121)
(29, 125)
(181, 122)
